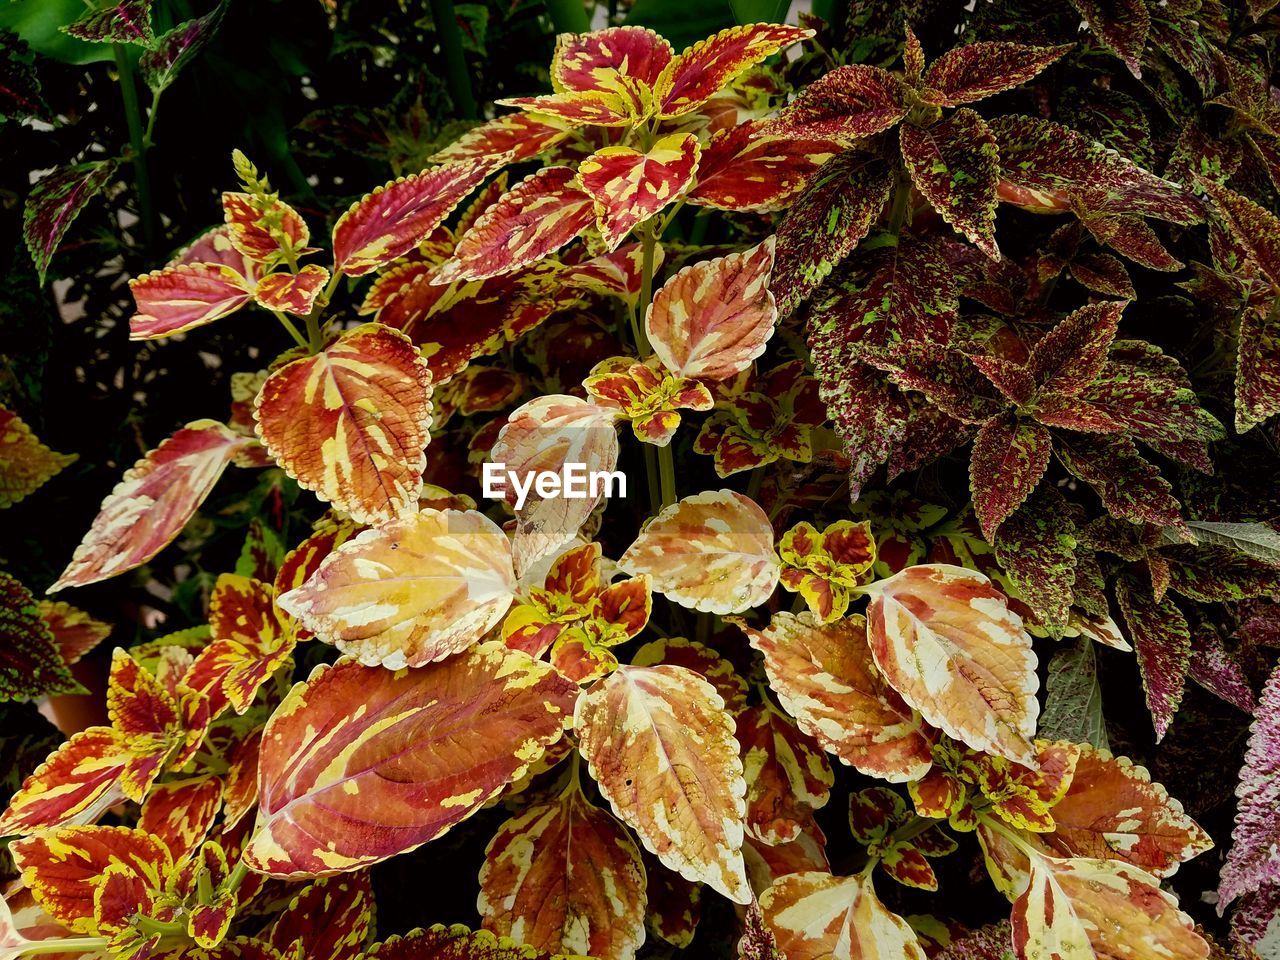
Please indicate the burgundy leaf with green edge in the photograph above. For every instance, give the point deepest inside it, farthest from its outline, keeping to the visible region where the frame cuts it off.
(1036, 547)
(1104, 274)
(847, 104)
(55, 202)
(395, 218)
(1130, 487)
(161, 64)
(826, 222)
(979, 70)
(955, 164)
(1009, 458)
(1162, 641)
(125, 21)
(946, 377)
(30, 665)
(1122, 25)
(20, 93)
(1134, 239)
(439, 942)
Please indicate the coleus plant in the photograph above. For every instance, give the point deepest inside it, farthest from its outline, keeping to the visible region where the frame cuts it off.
(470, 658)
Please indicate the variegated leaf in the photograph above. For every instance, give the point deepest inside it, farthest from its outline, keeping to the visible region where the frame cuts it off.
(787, 775)
(343, 903)
(745, 168)
(630, 186)
(185, 296)
(30, 663)
(817, 916)
(179, 814)
(78, 782)
(26, 464)
(55, 202)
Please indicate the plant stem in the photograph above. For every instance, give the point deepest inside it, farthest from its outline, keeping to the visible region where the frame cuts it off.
(568, 16)
(651, 476)
(754, 484)
(137, 144)
(69, 945)
(298, 338)
(315, 339)
(457, 79)
(238, 874)
(151, 119)
(648, 242)
(901, 198)
(667, 475)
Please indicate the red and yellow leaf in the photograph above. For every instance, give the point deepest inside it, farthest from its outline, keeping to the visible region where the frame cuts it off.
(787, 775)
(695, 75)
(630, 186)
(26, 464)
(291, 292)
(74, 632)
(661, 748)
(180, 298)
(244, 215)
(698, 657)
(343, 903)
(511, 138)
(179, 814)
(351, 423)
(745, 168)
(78, 782)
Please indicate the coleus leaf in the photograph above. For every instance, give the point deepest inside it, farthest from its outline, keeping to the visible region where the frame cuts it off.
(598, 62)
(125, 21)
(787, 775)
(954, 163)
(629, 186)
(817, 916)
(1073, 698)
(745, 168)
(847, 104)
(247, 218)
(75, 633)
(511, 138)
(180, 813)
(660, 746)
(1036, 548)
(702, 659)
(1010, 455)
(711, 552)
(1253, 863)
(1122, 25)
(350, 423)
(30, 664)
(1131, 488)
(565, 877)
(172, 51)
(1162, 640)
(20, 90)
(55, 202)
(185, 296)
(1113, 811)
(713, 318)
(26, 464)
(294, 293)
(410, 592)
(534, 218)
(396, 217)
(452, 943)
(824, 676)
(153, 502)
(78, 782)
(346, 904)
(945, 639)
(404, 754)
(674, 905)
(1081, 907)
(827, 221)
(975, 71)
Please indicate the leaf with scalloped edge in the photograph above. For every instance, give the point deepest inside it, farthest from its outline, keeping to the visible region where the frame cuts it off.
(955, 165)
(1130, 487)
(536, 217)
(172, 51)
(715, 669)
(30, 664)
(1081, 909)
(152, 502)
(345, 903)
(75, 633)
(629, 186)
(511, 138)
(565, 877)
(847, 104)
(55, 202)
(291, 292)
(410, 592)
(824, 676)
(945, 638)
(975, 71)
(713, 318)
(711, 552)
(180, 813)
(1037, 550)
(699, 72)
(1162, 641)
(182, 297)
(77, 783)
(26, 464)
(1122, 25)
(1010, 455)
(360, 764)
(453, 943)
(746, 168)
(351, 422)
(396, 217)
(787, 774)
(660, 745)
(817, 916)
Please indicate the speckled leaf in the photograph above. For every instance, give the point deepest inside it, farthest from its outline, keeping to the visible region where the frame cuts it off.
(787, 775)
(1036, 548)
(1073, 699)
(1010, 455)
(1254, 860)
(1113, 811)
(153, 502)
(824, 676)
(412, 591)
(701, 70)
(748, 169)
(534, 218)
(955, 164)
(360, 764)
(1122, 25)
(1162, 640)
(452, 943)
(713, 318)
(976, 71)
(847, 104)
(180, 813)
(30, 664)
(55, 202)
(350, 423)
(660, 746)
(26, 464)
(1131, 488)
(565, 877)
(945, 639)
(711, 552)
(826, 222)
(124, 21)
(817, 916)
(396, 217)
(629, 186)
(344, 904)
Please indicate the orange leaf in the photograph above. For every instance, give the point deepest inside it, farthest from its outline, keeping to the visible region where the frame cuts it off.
(515, 136)
(350, 423)
(26, 464)
(715, 669)
(291, 292)
(79, 781)
(179, 814)
(74, 631)
(182, 297)
(412, 591)
(345, 904)
(945, 639)
(788, 776)
(711, 552)
(662, 750)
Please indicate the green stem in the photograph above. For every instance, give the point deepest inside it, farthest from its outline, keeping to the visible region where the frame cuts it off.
(648, 244)
(753, 485)
(151, 119)
(315, 338)
(238, 875)
(667, 475)
(901, 197)
(651, 476)
(137, 143)
(69, 945)
(908, 831)
(569, 16)
(298, 338)
(457, 78)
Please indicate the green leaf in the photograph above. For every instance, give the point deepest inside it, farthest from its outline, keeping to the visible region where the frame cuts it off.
(683, 22)
(30, 664)
(1073, 699)
(40, 23)
(1252, 539)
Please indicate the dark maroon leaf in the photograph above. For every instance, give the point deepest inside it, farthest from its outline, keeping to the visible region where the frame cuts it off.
(955, 165)
(30, 664)
(979, 70)
(55, 202)
(849, 103)
(1162, 641)
(1036, 547)
(1104, 274)
(20, 95)
(162, 63)
(1219, 669)
(1219, 574)
(1134, 239)
(946, 377)
(1130, 487)
(1009, 458)
(1120, 24)
(1071, 355)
